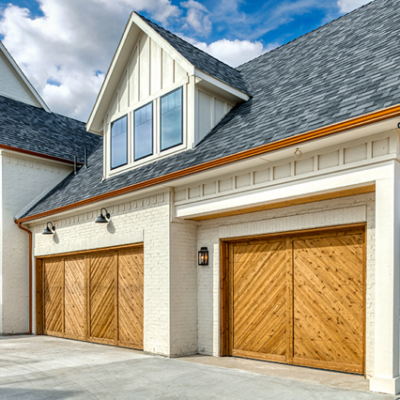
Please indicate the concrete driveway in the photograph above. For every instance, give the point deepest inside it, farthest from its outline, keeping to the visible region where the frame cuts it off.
(40, 367)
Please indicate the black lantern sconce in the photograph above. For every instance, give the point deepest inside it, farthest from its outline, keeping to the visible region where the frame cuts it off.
(203, 256)
(49, 230)
(104, 217)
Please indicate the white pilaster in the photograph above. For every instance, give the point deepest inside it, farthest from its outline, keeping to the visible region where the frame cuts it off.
(386, 372)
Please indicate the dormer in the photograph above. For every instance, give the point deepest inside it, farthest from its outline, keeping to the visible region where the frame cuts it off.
(160, 96)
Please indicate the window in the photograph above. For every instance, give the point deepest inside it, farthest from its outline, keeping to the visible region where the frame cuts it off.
(119, 142)
(171, 119)
(143, 132)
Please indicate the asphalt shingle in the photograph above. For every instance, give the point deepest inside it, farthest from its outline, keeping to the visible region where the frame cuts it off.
(344, 69)
(31, 128)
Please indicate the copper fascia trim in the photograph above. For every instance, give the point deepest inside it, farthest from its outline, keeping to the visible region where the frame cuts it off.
(36, 154)
(356, 122)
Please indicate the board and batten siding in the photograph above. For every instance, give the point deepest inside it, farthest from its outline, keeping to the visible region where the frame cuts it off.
(210, 110)
(149, 74)
(149, 71)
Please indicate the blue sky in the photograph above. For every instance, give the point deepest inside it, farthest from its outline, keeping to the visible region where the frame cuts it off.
(65, 46)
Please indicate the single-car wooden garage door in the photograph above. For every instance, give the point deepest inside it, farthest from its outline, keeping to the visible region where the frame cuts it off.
(95, 297)
(297, 299)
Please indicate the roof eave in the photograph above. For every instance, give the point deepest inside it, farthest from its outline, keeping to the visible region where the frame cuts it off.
(352, 123)
(221, 85)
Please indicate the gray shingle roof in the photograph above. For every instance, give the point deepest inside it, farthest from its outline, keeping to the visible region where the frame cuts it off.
(344, 69)
(31, 128)
(201, 60)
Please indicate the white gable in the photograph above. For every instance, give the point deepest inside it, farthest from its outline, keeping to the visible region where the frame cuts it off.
(143, 65)
(14, 84)
(150, 72)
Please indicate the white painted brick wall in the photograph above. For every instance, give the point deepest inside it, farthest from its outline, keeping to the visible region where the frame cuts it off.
(11, 85)
(22, 180)
(183, 288)
(141, 220)
(327, 213)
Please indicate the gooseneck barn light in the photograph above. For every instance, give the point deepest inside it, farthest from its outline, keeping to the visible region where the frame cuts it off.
(104, 217)
(203, 256)
(49, 230)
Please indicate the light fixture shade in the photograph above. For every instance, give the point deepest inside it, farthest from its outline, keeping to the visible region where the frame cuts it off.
(203, 256)
(49, 230)
(104, 217)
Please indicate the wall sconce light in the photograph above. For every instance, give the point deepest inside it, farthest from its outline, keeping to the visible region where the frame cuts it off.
(398, 125)
(104, 217)
(49, 230)
(203, 256)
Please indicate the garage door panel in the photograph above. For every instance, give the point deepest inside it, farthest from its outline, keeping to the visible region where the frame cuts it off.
(251, 269)
(259, 298)
(321, 288)
(130, 297)
(102, 295)
(75, 297)
(348, 326)
(95, 296)
(299, 299)
(249, 319)
(330, 291)
(338, 268)
(53, 272)
(275, 343)
(328, 351)
(253, 335)
(328, 299)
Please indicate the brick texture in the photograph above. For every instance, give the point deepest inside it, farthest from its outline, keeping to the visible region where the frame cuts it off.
(22, 180)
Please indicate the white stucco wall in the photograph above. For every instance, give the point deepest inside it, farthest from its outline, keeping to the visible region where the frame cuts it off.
(12, 86)
(23, 179)
(348, 210)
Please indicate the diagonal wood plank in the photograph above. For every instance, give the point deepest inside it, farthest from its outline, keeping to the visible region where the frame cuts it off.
(53, 271)
(102, 299)
(329, 299)
(130, 296)
(259, 297)
(75, 291)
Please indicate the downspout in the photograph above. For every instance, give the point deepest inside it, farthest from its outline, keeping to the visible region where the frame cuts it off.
(30, 274)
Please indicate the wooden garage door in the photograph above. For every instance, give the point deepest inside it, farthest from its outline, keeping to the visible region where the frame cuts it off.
(96, 297)
(298, 299)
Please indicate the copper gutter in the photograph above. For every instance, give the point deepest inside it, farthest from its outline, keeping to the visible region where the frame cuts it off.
(356, 122)
(30, 274)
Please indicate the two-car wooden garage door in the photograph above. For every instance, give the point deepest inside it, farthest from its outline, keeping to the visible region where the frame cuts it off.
(297, 299)
(95, 297)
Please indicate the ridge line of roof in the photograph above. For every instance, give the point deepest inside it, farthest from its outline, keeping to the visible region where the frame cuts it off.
(303, 36)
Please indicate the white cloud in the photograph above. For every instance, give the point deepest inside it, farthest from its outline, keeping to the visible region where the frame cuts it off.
(350, 5)
(197, 17)
(232, 52)
(66, 52)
